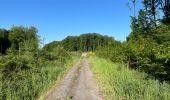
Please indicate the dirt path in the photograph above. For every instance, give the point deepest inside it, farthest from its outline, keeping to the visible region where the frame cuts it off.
(78, 84)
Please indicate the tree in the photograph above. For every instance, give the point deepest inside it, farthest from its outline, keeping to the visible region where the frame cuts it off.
(4, 41)
(165, 7)
(22, 36)
(16, 36)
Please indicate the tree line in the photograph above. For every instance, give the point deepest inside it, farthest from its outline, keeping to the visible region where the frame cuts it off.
(24, 64)
(88, 42)
(147, 48)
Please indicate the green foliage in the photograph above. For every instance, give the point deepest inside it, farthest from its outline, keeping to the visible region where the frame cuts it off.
(118, 82)
(50, 46)
(29, 84)
(147, 46)
(26, 71)
(54, 51)
(88, 42)
(23, 64)
(145, 54)
(23, 36)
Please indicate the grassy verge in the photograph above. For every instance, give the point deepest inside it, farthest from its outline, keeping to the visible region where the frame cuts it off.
(29, 84)
(60, 76)
(117, 82)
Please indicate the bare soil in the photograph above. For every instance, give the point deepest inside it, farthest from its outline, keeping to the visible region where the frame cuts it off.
(78, 84)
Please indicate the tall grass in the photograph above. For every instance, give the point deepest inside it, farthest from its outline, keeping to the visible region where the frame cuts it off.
(29, 84)
(117, 82)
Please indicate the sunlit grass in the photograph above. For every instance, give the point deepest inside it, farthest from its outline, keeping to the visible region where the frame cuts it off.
(117, 82)
(30, 84)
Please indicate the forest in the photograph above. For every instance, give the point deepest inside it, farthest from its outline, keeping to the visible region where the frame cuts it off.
(27, 70)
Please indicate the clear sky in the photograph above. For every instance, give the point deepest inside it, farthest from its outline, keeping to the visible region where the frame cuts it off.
(56, 19)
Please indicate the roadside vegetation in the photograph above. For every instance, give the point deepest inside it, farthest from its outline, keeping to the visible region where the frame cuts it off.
(147, 48)
(138, 68)
(27, 70)
(118, 82)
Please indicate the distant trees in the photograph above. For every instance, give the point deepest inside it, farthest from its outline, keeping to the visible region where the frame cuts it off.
(88, 42)
(50, 46)
(71, 43)
(54, 51)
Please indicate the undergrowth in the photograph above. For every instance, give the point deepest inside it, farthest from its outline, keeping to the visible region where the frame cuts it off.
(117, 82)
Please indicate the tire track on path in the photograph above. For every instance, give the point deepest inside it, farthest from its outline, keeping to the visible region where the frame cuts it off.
(78, 84)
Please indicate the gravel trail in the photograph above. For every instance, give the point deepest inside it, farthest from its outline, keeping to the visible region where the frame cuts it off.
(78, 84)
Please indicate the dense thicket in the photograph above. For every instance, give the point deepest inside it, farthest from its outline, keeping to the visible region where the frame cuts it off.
(26, 70)
(88, 42)
(148, 46)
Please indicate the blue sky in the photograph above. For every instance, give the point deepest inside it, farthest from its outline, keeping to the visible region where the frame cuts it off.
(56, 19)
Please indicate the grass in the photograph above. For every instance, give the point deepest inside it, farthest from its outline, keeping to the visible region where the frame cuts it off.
(117, 82)
(30, 84)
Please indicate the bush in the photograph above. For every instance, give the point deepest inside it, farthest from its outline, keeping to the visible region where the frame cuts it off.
(142, 53)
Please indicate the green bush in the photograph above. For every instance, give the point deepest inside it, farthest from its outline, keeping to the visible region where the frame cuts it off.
(23, 80)
(145, 53)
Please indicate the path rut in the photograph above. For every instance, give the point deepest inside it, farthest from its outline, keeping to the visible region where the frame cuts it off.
(78, 84)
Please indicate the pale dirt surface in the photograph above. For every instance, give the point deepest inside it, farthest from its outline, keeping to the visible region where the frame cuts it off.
(78, 84)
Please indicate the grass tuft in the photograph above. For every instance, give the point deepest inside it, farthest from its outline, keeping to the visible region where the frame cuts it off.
(117, 82)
